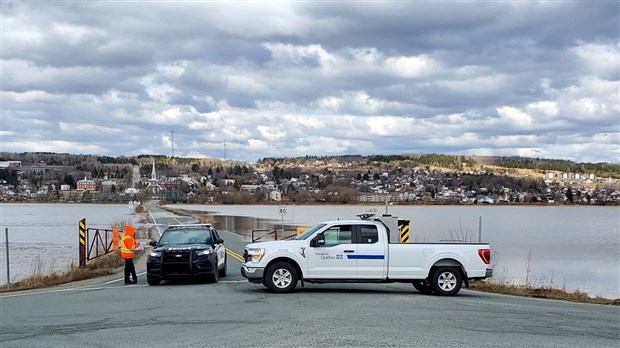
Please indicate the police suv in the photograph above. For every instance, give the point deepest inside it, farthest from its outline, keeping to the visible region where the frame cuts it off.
(193, 250)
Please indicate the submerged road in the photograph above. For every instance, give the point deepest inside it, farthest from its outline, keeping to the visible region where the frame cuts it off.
(235, 313)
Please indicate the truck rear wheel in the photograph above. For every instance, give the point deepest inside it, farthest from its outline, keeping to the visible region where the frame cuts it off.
(423, 286)
(446, 281)
(281, 277)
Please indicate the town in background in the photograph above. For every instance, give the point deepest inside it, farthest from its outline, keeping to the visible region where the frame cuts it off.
(346, 179)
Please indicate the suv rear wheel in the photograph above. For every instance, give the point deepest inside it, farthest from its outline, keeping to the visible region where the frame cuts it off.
(153, 280)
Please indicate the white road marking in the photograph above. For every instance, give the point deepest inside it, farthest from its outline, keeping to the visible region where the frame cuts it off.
(98, 287)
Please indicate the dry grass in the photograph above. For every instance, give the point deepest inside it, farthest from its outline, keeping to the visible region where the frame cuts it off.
(104, 265)
(547, 292)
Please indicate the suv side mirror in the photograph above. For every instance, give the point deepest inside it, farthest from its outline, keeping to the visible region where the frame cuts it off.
(153, 243)
(219, 241)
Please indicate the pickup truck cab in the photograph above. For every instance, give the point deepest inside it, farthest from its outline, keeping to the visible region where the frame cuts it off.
(361, 251)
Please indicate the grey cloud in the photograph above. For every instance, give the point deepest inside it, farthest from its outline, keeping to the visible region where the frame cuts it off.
(254, 76)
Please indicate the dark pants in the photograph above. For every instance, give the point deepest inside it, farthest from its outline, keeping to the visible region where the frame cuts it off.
(130, 269)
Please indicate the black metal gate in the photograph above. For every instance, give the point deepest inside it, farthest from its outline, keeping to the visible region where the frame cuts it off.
(94, 242)
(99, 242)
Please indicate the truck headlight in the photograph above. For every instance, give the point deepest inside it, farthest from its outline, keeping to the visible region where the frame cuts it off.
(256, 254)
(155, 253)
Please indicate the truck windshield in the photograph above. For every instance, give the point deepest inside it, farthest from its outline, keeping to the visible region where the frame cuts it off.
(309, 232)
(186, 236)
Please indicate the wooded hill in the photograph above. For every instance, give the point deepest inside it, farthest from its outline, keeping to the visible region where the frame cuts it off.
(97, 166)
(601, 169)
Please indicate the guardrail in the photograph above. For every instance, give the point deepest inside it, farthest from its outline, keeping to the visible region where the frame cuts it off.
(264, 235)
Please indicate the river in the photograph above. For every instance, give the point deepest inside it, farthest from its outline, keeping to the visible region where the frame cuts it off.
(44, 237)
(572, 248)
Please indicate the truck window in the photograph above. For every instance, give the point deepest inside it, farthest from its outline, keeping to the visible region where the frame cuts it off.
(338, 235)
(369, 234)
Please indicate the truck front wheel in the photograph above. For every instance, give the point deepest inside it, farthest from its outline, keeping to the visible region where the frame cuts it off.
(446, 281)
(281, 277)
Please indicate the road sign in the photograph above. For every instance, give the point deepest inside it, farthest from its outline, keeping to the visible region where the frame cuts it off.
(282, 210)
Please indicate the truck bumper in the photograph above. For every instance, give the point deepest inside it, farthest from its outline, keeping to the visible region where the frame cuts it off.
(253, 274)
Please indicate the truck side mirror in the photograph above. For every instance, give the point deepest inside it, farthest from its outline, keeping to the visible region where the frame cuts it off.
(153, 243)
(320, 239)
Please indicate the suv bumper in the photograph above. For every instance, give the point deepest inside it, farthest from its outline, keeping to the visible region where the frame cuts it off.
(253, 274)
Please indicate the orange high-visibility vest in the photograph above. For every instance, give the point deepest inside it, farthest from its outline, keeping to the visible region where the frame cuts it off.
(128, 244)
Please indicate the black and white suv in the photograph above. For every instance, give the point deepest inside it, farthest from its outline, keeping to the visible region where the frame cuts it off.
(194, 250)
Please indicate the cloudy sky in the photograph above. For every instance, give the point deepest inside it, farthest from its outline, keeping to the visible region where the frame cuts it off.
(247, 80)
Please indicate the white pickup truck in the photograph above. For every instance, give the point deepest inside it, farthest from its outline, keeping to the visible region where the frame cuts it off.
(364, 251)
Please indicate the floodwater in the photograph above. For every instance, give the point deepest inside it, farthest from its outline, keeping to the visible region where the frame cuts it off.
(44, 237)
(571, 248)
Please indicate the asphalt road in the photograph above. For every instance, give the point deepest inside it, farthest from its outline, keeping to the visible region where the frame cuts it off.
(235, 313)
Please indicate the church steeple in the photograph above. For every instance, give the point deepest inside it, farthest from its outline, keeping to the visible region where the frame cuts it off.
(153, 174)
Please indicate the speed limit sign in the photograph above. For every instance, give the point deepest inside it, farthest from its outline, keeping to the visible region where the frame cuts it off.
(283, 210)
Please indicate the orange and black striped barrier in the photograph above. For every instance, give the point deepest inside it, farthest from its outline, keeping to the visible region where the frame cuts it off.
(403, 226)
(82, 246)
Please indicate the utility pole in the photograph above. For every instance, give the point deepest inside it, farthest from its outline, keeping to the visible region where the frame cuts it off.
(172, 141)
(8, 269)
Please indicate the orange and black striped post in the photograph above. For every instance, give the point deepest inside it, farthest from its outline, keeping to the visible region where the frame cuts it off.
(403, 225)
(82, 246)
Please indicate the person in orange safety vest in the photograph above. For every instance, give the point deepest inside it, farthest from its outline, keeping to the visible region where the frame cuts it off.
(128, 245)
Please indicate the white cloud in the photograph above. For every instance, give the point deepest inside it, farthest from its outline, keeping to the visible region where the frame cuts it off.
(159, 92)
(88, 128)
(411, 67)
(601, 59)
(58, 146)
(511, 116)
(544, 108)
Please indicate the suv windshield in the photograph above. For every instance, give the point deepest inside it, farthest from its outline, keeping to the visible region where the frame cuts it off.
(186, 236)
(309, 232)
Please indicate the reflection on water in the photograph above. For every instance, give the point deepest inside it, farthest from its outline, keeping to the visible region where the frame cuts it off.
(242, 225)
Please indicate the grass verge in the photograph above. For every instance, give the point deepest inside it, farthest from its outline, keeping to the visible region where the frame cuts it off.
(546, 292)
(101, 266)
